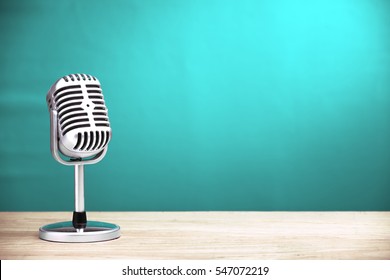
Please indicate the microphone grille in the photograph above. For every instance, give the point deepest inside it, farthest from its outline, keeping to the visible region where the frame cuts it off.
(83, 123)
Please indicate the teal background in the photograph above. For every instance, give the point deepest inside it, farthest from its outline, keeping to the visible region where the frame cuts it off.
(214, 105)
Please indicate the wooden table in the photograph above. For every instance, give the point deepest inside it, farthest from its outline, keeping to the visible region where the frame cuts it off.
(208, 235)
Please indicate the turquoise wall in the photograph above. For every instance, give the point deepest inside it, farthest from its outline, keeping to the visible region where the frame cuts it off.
(214, 105)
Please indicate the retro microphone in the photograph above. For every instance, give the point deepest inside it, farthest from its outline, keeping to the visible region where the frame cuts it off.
(79, 134)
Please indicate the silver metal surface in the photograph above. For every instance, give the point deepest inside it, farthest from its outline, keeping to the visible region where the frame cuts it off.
(65, 232)
(81, 116)
(79, 188)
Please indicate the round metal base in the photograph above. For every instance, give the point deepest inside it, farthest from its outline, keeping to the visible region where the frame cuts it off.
(65, 232)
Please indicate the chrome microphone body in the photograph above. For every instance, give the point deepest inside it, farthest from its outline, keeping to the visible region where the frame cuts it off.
(77, 103)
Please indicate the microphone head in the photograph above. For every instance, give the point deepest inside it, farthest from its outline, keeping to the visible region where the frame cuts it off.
(83, 125)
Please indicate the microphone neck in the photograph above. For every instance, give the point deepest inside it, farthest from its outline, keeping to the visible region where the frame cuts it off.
(79, 188)
(79, 214)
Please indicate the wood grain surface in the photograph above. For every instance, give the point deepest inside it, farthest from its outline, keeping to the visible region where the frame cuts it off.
(207, 235)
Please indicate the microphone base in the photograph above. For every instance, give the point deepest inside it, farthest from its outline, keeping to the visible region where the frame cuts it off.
(93, 232)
